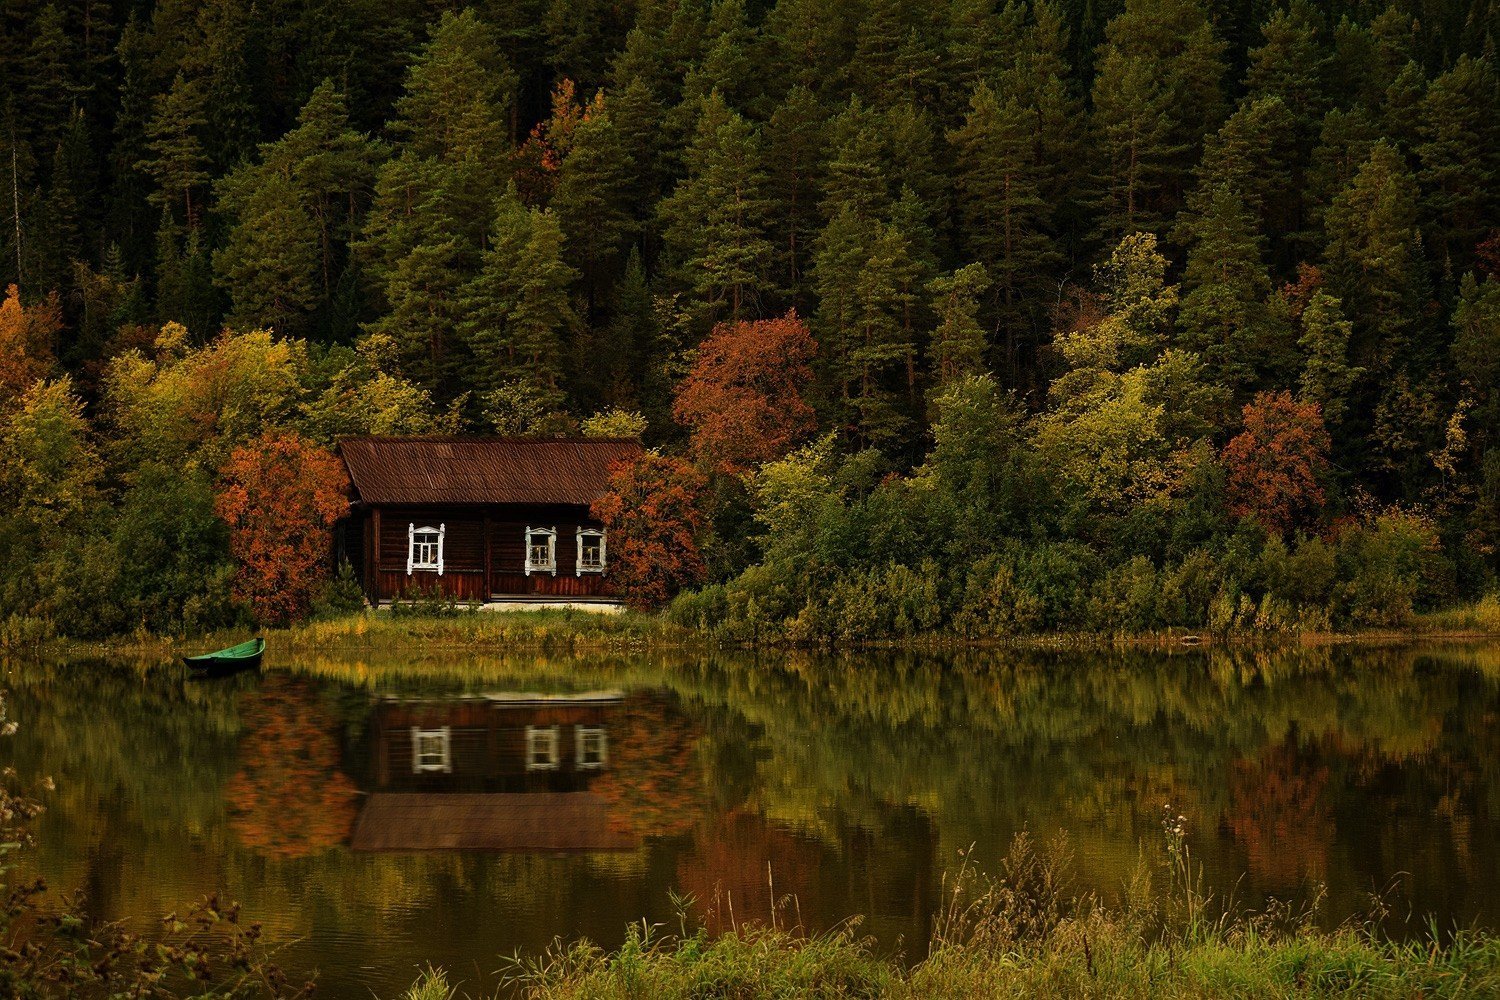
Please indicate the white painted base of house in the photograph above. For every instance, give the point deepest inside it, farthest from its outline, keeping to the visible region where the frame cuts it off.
(597, 607)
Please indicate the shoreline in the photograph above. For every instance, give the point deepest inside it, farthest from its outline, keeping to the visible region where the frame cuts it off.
(579, 633)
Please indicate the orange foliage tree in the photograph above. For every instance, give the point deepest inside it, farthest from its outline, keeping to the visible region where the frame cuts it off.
(289, 798)
(654, 515)
(26, 335)
(1274, 464)
(280, 495)
(743, 397)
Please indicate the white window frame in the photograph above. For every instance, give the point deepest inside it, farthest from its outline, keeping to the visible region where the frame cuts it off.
(582, 736)
(548, 739)
(535, 567)
(445, 739)
(411, 547)
(579, 567)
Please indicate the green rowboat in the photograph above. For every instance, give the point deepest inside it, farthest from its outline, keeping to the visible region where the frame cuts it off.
(245, 656)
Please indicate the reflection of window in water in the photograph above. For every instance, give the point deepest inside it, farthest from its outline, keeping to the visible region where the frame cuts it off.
(593, 747)
(431, 750)
(542, 748)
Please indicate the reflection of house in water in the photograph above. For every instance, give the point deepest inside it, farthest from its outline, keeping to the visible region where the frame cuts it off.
(494, 772)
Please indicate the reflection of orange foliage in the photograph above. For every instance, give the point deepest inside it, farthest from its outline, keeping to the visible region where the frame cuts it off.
(289, 798)
(1280, 816)
(733, 862)
(653, 783)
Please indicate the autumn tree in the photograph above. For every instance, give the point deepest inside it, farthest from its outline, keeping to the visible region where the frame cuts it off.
(280, 496)
(27, 334)
(1276, 463)
(654, 515)
(743, 397)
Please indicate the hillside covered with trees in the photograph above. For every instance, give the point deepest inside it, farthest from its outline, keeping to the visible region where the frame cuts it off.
(942, 316)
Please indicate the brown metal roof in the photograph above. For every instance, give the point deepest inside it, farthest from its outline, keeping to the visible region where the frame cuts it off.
(536, 821)
(417, 470)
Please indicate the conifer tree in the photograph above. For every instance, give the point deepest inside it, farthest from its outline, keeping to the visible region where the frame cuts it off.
(1003, 214)
(1292, 64)
(1156, 94)
(175, 158)
(269, 267)
(517, 308)
(593, 185)
(794, 171)
(1459, 151)
(854, 178)
(1255, 154)
(1223, 316)
(715, 221)
(1327, 376)
(958, 343)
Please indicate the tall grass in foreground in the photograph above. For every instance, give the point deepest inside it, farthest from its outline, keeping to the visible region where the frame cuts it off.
(1024, 934)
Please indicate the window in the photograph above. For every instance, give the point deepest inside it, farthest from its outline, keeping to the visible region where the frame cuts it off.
(542, 748)
(590, 551)
(431, 751)
(593, 747)
(541, 551)
(424, 548)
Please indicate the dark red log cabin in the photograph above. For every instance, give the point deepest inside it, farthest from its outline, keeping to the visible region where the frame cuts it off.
(479, 519)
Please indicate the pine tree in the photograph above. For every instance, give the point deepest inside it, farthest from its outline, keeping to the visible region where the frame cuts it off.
(591, 201)
(458, 94)
(1374, 256)
(855, 177)
(517, 308)
(881, 357)
(1459, 150)
(794, 172)
(1327, 376)
(1157, 93)
(1292, 64)
(1223, 317)
(176, 160)
(1344, 143)
(269, 266)
(1255, 154)
(1003, 214)
(958, 343)
(715, 221)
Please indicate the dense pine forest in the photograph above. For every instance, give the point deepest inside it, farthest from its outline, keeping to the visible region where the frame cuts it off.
(947, 316)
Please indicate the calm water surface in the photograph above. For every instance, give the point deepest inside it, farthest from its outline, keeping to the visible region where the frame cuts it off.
(378, 817)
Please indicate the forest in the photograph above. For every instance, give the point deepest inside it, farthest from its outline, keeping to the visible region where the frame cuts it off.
(946, 317)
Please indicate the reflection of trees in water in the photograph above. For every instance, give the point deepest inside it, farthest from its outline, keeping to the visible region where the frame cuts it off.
(289, 798)
(735, 859)
(1280, 815)
(654, 784)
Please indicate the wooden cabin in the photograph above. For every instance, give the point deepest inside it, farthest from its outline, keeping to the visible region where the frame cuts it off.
(479, 519)
(496, 772)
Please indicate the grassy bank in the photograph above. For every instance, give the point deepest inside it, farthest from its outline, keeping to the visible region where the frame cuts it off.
(1023, 935)
(562, 631)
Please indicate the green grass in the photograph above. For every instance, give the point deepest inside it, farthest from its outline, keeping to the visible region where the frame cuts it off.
(1022, 935)
(1482, 617)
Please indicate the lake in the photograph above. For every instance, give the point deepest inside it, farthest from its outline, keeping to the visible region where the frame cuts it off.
(377, 816)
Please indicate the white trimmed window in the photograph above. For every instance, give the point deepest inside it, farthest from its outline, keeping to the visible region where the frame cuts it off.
(541, 550)
(431, 751)
(424, 548)
(593, 747)
(590, 551)
(542, 748)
